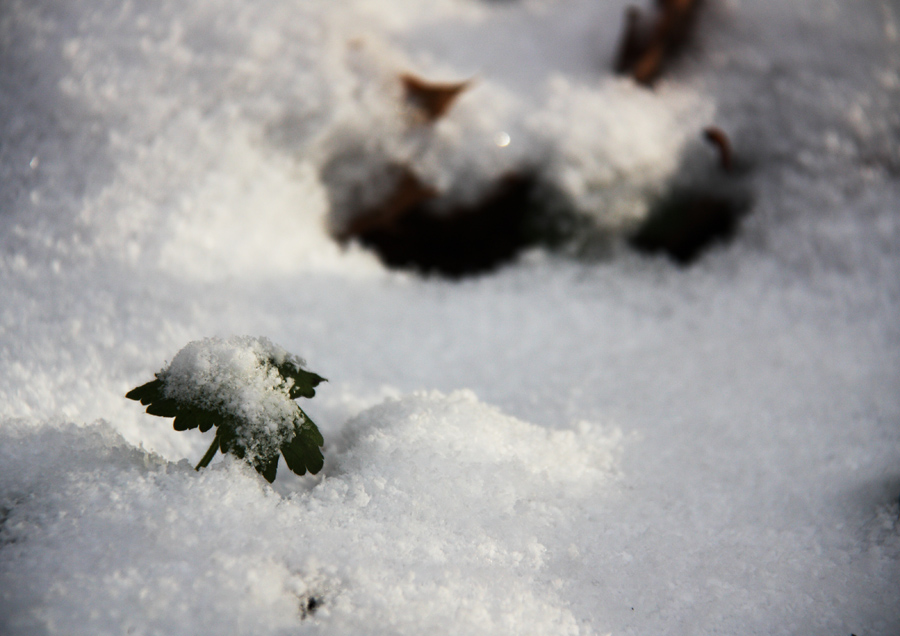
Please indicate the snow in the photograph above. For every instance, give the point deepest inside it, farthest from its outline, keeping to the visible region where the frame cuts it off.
(566, 445)
(477, 491)
(609, 146)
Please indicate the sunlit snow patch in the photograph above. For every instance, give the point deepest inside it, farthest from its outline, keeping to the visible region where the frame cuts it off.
(226, 136)
(437, 510)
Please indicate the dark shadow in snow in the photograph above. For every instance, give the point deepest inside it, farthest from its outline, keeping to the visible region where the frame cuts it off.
(702, 208)
(309, 605)
(412, 226)
(5, 536)
(687, 222)
(410, 232)
(876, 503)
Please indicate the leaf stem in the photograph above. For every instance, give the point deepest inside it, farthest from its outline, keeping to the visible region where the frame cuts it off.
(210, 453)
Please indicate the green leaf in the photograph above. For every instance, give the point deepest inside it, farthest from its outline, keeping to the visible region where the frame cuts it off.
(305, 382)
(166, 407)
(207, 419)
(228, 441)
(293, 460)
(185, 421)
(302, 453)
(191, 417)
(147, 393)
(309, 428)
(268, 468)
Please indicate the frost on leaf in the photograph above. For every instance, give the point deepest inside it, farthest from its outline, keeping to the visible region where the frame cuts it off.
(245, 387)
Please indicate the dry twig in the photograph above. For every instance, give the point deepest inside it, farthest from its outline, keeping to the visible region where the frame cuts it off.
(649, 42)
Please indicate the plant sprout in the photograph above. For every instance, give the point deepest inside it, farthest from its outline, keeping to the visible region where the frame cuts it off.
(245, 387)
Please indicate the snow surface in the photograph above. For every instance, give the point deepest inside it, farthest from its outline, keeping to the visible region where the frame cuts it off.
(651, 449)
(413, 487)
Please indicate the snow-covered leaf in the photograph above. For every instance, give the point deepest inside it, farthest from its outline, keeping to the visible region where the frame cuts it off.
(246, 388)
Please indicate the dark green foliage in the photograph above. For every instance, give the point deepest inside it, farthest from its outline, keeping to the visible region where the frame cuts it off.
(147, 393)
(302, 450)
(305, 382)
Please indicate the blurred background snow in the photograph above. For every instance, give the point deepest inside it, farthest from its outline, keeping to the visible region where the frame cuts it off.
(651, 449)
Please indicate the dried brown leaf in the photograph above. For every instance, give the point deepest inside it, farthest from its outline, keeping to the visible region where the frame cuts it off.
(719, 139)
(649, 42)
(432, 99)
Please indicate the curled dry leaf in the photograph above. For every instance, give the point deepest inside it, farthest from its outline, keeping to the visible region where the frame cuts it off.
(432, 99)
(719, 139)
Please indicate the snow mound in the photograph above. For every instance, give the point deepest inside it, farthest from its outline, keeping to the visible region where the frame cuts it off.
(616, 146)
(609, 146)
(437, 510)
(445, 428)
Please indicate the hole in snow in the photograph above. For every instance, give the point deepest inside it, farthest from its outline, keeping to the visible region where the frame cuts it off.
(688, 222)
(309, 606)
(410, 231)
(412, 226)
(699, 213)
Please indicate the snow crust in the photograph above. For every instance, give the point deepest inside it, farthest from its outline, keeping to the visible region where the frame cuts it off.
(418, 492)
(170, 173)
